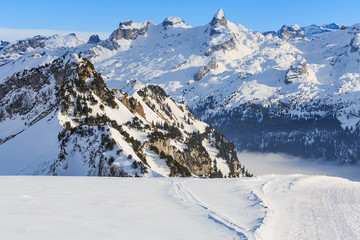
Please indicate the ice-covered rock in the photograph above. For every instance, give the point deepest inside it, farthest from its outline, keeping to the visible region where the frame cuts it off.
(129, 30)
(291, 32)
(219, 18)
(173, 22)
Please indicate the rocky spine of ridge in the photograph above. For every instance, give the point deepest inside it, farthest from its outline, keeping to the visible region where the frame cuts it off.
(128, 31)
(95, 134)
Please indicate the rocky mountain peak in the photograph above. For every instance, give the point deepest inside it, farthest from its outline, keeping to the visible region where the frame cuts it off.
(173, 22)
(219, 18)
(291, 32)
(94, 39)
(129, 30)
(125, 24)
(3, 44)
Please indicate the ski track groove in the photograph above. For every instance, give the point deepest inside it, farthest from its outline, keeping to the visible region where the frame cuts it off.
(217, 217)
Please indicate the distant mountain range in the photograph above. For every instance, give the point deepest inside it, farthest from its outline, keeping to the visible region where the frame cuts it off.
(293, 91)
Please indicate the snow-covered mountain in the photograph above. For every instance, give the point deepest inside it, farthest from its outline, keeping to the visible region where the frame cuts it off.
(61, 119)
(294, 91)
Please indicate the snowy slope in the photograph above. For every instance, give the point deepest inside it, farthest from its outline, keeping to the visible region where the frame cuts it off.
(256, 88)
(61, 119)
(233, 77)
(266, 207)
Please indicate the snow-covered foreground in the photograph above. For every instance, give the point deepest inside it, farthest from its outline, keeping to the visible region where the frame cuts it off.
(266, 207)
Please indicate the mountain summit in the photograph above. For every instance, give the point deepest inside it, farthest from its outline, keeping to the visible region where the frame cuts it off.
(219, 18)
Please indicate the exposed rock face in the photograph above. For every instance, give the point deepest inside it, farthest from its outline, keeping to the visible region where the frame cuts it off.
(193, 154)
(205, 69)
(125, 24)
(130, 31)
(172, 21)
(94, 39)
(3, 44)
(291, 32)
(22, 45)
(219, 19)
(30, 93)
(355, 43)
(227, 45)
(272, 33)
(105, 131)
(295, 71)
(198, 162)
(218, 23)
(131, 103)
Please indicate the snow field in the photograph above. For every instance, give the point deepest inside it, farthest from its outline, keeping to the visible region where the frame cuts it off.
(265, 207)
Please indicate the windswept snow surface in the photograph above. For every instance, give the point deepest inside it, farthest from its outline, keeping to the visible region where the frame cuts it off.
(266, 207)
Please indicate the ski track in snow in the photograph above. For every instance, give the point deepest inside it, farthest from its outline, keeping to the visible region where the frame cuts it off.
(315, 207)
(298, 207)
(188, 197)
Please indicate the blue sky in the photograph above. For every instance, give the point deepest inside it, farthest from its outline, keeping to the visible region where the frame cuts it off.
(105, 15)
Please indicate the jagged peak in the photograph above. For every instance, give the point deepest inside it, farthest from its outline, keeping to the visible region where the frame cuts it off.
(3, 43)
(219, 18)
(290, 32)
(219, 14)
(174, 22)
(129, 24)
(129, 30)
(331, 26)
(132, 86)
(94, 39)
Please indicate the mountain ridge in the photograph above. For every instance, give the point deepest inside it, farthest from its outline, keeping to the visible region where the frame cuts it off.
(237, 80)
(102, 132)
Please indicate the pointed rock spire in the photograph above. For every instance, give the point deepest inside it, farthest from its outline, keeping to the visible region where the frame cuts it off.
(94, 39)
(219, 18)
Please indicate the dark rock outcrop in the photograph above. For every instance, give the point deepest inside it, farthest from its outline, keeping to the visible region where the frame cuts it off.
(94, 39)
(217, 22)
(295, 71)
(272, 33)
(172, 21)
(355, 43)
(219, 19)
(205, 69)
(22, 45)
(3, 44)
(227, 45)
(291, 32)
(127, 31)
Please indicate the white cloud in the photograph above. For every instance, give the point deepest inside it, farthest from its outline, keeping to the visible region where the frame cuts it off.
(10, 34)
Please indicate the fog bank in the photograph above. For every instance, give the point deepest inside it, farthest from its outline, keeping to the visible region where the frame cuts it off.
(271, 163)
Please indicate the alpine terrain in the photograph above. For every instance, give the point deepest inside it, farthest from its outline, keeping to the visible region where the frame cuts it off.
(61, 119)
(104, 107)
